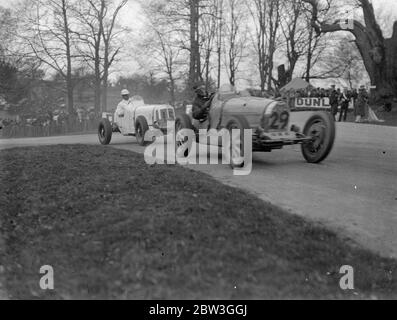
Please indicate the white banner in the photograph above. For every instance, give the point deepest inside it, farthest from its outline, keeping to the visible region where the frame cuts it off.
(312, 103)
(321, 103)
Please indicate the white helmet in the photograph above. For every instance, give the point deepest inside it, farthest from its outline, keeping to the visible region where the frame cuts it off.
(125, 92)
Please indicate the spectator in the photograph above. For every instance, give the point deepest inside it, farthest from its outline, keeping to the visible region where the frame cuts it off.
(334, 101)
(315, 93)
(81, 114)
(345, 100)
(291, 98)
(361, 106)
(339, 92)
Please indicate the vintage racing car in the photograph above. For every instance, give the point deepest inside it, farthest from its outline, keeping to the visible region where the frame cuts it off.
(136, 120)
(269, 120)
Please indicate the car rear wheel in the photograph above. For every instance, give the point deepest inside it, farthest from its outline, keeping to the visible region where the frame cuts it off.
(105, 132)
(236, 145)
(141, 127)
(183, 122)
(321, 128)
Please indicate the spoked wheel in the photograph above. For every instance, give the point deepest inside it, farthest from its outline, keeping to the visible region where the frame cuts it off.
(321, 128)
(105, 132)
(183, 122)
(236, 143)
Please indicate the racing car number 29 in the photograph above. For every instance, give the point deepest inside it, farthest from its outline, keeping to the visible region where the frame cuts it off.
(279, 121)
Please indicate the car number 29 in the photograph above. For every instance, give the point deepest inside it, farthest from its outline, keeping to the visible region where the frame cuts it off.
(279, 121)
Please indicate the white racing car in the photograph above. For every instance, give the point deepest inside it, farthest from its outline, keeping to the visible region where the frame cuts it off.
(136, 120)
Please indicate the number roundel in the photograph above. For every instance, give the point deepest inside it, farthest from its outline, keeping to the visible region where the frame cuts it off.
(279, 120)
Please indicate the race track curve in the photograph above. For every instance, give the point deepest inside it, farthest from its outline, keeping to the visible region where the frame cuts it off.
(354, 191)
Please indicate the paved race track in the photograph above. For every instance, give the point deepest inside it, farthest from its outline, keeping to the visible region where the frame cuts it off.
(354, 191)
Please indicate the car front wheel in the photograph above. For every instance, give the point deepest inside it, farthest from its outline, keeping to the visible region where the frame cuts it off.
(321, 128)
(236, 143)
(105, 132)
(141, 129)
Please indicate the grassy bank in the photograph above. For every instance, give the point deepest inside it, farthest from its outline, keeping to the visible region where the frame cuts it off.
(113, 227)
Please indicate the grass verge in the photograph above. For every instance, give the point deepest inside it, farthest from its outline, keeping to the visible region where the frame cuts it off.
(114, 228)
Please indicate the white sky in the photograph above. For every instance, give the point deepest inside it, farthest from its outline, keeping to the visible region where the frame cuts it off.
(132, 18)
(392, 3)
(132, 6)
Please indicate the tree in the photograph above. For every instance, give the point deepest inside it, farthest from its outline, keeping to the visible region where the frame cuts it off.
(7, 28)
(220, 10)
(97, 34)
(160, 50)
(166, 57)
(342, 61)
(90, 15)
(378, 53)
(183, 20)
(195, 75)
(208, 29)
(235, 35)
(20, 75)
(317, 43)
(266, 16)
(195, 23)
(47, 31)
(111, 33)
(8, 79)
(294, 30)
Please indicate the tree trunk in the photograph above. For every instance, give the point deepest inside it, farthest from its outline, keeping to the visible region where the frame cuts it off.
(274, 22)
(105, 93)
(195, 63)
(220, 28)
(232, 39)
(309, 56)
(70, 100)
(97, 58)
(172, 90)
(261, 47)
(379, 54)
(97, 93)
(105, 77)
(391, 60)
(69, 77)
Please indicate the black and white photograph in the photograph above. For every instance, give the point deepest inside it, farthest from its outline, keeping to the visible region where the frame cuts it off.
(198, 155)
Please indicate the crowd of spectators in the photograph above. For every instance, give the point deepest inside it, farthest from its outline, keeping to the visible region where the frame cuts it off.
(340, 100)
(311, 92)
(49, 123)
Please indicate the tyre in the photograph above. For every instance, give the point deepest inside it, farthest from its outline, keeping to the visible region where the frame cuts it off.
(141, 127)
(105, 132)
(182, 122)
(321, 128)
(236, 147)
